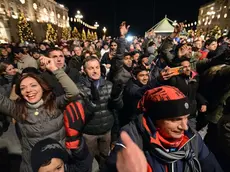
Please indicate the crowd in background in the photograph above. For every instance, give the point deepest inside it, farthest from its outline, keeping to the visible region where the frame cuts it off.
(80, 94)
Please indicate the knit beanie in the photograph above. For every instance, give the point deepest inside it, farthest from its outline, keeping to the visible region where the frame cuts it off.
(164, 102)
(44, 151)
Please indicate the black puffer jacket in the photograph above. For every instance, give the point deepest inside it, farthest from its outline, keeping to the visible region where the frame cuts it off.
(99, 115)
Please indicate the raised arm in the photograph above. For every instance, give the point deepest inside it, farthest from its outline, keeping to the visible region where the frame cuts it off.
(117, 64)
(68, 85)
(167, 46)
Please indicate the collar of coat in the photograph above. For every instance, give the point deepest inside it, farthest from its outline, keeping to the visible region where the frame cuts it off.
(88, 83)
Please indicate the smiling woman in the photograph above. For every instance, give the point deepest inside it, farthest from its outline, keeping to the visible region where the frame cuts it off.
(37, 110)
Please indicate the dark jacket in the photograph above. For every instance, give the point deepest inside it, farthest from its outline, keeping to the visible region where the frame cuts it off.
(3, 80)
(167, 52)
(55, 85)
(4, 121)
(6, 60)
(118, 73)
(133, 92)
(105, 59)
(215, 86)
(80, 159)
(135, 130)
(98, 104)
(223, 154)
(189, 87)
(76, 62)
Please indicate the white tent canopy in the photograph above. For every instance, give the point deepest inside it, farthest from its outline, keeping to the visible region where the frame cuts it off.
(164, 26)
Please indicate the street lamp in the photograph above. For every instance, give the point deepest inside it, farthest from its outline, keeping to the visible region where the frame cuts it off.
(96, 25)
(79, 15)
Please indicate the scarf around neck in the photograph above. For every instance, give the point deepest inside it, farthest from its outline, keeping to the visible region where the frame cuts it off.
(35, 105)
(158, 147)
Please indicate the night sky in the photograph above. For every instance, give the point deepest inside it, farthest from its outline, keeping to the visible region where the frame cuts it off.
(140, 14)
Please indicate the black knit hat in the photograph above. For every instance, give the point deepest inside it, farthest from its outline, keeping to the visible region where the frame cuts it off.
(164, 102)
(44, 151)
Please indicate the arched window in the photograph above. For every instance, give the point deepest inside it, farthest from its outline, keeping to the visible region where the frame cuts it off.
(2, 9)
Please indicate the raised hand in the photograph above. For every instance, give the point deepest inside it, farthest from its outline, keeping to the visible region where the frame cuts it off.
(48, 63)
(74, 119)
(178, 28)
(166, 74)
(131, 158)
(124, 29)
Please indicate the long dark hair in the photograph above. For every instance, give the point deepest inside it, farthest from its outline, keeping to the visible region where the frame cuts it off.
(48, 97)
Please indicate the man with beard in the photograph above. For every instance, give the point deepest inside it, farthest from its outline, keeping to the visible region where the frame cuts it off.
(67, 54)
(188, 83)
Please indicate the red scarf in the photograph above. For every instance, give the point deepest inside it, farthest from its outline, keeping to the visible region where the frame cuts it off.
(164, 143)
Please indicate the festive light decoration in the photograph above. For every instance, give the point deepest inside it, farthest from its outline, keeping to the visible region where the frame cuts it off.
(24, 30)
(76, 34)
(215, 32)
(51, 34)
(66, 33)
(86, 25)
(95, 36)
(89, 36)
(83, 35)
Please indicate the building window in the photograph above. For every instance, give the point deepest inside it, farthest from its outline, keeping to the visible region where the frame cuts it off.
(45, 10)
(23, 1)
(2, 9)
(19, 11)
(52, 17)
(225, 15)
(2, 6)
(58, 16)
(35, 6)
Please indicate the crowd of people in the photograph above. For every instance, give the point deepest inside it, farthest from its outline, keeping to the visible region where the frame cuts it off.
(160, 103)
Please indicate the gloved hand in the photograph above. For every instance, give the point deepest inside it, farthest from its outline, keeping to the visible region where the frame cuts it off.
(74, 120)
(117, 90)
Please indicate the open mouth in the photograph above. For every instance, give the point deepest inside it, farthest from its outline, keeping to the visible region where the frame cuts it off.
(30, 97)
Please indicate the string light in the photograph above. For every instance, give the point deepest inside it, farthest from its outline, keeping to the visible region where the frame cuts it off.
(85, 24)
